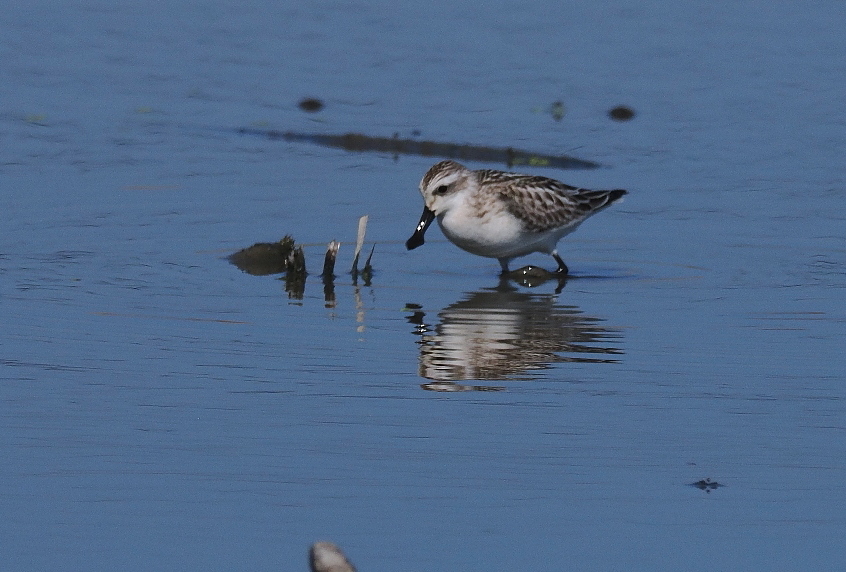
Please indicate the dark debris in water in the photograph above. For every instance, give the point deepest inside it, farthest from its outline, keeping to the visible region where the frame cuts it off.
(366, 273)
(557, 110)
(532, 276)
(621, 113)
(707, 485)
(295, 276)
(264, 258)
(310, 104)
(286, 257)
(397, 146)
(329, 260)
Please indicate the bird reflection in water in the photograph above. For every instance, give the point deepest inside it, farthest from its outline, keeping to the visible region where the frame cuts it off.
(503, 333)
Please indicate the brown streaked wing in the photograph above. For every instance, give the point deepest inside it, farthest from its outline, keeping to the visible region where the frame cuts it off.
(490, 176)
(544, 204)
(541, 203)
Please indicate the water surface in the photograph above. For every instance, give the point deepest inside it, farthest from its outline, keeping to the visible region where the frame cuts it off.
(162, 409)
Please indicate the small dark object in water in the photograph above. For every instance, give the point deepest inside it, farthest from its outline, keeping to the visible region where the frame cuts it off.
(329, 273)
(295, 276)
(296, 261)
(706, 485)
(557, 110)
(532, 272)
(264, 258)
(310, 104)
(531, 276)
(367, 271)
(621, 113)
(329, 260)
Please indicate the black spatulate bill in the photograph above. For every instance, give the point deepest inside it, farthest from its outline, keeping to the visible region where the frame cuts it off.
(417, 238)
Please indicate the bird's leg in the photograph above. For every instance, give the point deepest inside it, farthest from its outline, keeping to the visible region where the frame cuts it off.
(504, 263)
(562, 268)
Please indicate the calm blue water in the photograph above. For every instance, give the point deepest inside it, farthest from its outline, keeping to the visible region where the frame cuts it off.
(161, 410)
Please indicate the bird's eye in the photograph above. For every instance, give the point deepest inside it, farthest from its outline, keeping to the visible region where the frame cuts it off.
(442, 190)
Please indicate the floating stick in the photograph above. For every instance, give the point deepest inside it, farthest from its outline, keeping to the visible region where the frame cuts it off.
(367, 272)
(296, 275)
(329, 273)
(362, 230)
(329, 260)
(296, 262)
